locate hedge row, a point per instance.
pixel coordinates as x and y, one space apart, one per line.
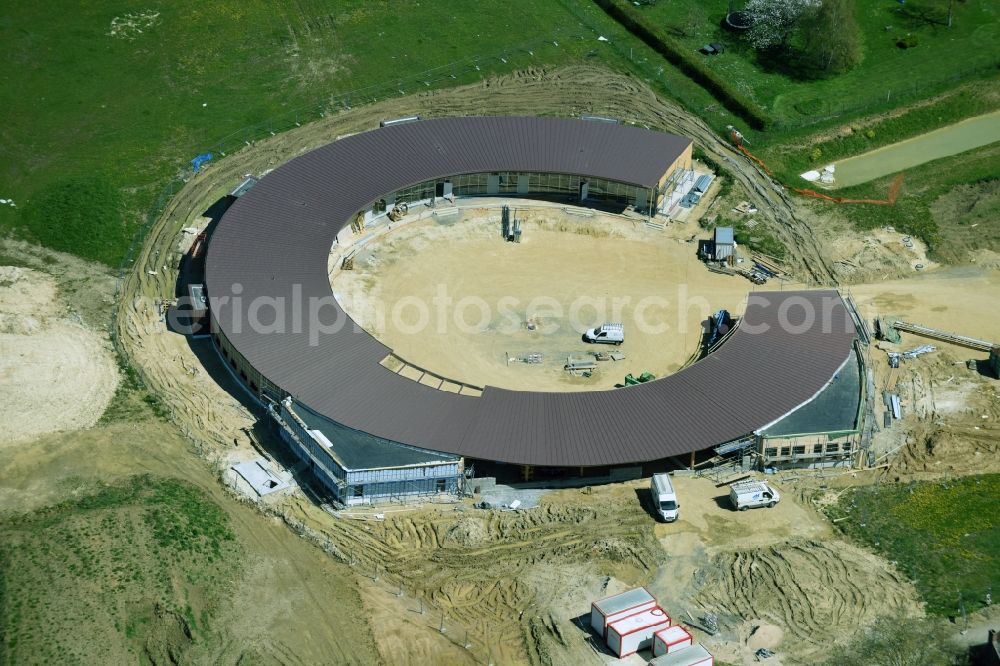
687 61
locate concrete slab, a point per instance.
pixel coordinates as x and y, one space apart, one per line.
261 477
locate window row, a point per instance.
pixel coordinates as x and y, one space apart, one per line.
818 449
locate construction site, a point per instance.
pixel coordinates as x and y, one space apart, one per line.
480 488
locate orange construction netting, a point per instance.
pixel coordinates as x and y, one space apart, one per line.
894 187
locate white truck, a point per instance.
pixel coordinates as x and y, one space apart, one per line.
611 334
749 494
664 497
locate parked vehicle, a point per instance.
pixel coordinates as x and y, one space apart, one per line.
612 334
750 494
664 497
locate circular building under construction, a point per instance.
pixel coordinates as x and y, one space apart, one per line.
786 381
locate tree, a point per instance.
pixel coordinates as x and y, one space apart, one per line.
774 21
832 44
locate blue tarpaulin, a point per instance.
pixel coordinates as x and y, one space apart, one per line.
201 159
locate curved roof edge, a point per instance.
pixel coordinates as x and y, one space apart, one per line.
274 242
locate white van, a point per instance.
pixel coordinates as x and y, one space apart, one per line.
749 494
664 497
612 334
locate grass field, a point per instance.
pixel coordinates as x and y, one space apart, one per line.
942 57
107 103
121 112
130 571
947 203
792 158
944 535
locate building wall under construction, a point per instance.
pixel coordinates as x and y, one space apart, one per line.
813 450
352 487
527 184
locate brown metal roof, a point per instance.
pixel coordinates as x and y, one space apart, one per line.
275 240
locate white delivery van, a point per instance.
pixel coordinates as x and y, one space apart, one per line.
749 494
611 334
664 497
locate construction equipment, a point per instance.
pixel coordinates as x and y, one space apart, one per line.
580 364
358 225
198 245
918 351
348 263
398 211
510 227
944 336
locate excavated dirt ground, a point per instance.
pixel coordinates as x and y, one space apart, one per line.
566 275
55 373
512 586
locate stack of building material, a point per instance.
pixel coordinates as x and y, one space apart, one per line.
693 655
629 634
612 608
671 639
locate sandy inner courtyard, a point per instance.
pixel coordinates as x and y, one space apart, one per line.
450 295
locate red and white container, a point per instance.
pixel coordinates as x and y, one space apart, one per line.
612 608
693 655
634 632
671 639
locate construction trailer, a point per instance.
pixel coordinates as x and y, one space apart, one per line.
610 609
629 634
723 243
671 639
693 655
357 468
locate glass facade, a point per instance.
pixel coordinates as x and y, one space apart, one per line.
516 183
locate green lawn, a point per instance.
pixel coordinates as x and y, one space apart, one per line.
943 57
105 104
942 202
945 535
127 111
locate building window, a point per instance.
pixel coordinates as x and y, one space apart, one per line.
439 485
799 450
832 447
818 449
846 448
770 452
357 491
784 451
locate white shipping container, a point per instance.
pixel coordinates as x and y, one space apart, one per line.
695 655
670 640
618 606
635 632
